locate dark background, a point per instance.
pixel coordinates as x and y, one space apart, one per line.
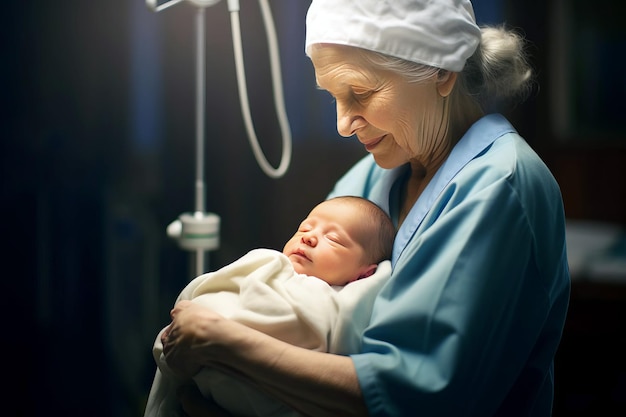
97 157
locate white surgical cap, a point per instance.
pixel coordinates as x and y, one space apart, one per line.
439 33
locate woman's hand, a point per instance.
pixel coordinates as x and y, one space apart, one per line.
189 339
311 382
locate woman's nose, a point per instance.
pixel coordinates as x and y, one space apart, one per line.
348 122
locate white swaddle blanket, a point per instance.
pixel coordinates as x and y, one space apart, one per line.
262 291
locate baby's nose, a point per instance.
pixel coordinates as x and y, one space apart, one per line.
309 239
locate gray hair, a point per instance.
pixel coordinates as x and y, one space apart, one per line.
497 73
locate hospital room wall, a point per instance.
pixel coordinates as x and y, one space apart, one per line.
98 158
576 123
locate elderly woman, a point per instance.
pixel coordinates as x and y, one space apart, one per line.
471 318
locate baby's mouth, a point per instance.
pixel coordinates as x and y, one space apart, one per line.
300 253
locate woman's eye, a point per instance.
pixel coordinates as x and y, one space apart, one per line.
362 95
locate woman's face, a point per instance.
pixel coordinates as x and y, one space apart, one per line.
397 121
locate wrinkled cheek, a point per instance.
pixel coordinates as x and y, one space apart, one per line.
407 141
430 132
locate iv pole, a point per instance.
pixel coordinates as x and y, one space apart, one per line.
198 232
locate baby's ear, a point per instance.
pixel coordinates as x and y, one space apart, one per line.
366 271
369 271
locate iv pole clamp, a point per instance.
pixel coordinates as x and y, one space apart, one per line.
199 231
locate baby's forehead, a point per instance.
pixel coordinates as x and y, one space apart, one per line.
347 202
352 215
340 209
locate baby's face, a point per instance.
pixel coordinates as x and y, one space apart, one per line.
326 245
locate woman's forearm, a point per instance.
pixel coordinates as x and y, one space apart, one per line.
313 383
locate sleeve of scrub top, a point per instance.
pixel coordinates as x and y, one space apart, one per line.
465 313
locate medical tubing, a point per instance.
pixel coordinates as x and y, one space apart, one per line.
277 89
157 8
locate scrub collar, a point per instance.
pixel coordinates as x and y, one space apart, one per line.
478 138
438 33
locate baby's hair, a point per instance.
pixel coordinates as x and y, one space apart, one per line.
379 249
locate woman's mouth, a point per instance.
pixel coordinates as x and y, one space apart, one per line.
373 144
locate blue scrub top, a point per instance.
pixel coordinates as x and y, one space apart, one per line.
470 321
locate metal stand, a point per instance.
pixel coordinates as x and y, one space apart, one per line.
199 231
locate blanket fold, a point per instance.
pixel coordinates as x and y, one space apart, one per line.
262 291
